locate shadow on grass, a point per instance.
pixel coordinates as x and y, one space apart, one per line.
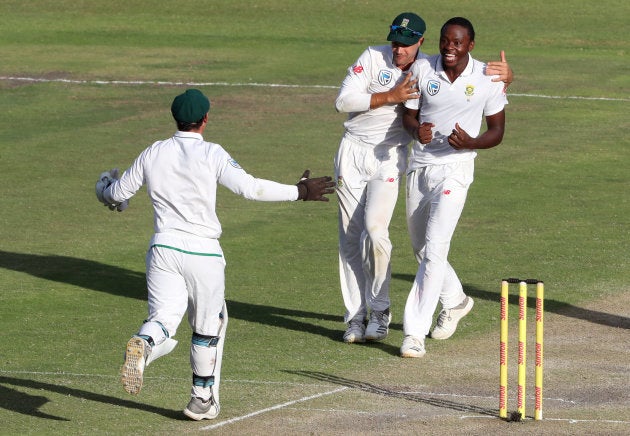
113 280
100 277
391 393
20 402
552 306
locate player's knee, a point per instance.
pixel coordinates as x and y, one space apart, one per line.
204 341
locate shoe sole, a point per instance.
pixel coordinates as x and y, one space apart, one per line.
200 416
354 340
441 338
131 372
375 337
412 354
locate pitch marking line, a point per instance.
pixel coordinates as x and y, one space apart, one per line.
264 85
272 408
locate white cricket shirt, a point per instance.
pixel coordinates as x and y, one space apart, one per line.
181 174
373 72
465 101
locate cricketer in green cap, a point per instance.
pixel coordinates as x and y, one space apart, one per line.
190 107
407 28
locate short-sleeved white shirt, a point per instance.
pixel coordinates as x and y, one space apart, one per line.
373 72
465 101
182 174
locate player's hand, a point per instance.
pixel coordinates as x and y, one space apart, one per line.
425 133
104 180
405 90
459 139
501 69
314 189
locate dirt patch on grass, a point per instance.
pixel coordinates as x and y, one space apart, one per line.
454 388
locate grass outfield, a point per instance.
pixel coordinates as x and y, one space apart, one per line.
86 86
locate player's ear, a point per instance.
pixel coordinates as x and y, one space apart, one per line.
471 45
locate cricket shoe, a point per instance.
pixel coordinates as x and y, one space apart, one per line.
448 318
378 327
135 357
355 331
198 409
412 346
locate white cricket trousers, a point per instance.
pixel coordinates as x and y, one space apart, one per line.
436 195
368 180
188 276
186 279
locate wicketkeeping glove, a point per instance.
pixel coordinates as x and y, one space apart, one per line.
314 189
104 180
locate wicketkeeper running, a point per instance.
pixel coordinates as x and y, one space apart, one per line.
185 264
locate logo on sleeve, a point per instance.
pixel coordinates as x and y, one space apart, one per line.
384 77
357 69
433 87
234 164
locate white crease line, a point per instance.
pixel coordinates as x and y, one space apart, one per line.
574 421
570 97
264 85
269 409
161 83
156 377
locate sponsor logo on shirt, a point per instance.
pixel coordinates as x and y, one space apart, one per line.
433 87
384 77
357 69
234 164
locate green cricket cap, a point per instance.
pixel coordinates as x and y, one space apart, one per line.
407 28
190 107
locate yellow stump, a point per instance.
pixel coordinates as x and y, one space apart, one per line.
522 347
503 352
540 298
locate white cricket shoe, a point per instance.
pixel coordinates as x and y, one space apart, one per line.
412 346
448 318
378 327
135 357
198 409
355 331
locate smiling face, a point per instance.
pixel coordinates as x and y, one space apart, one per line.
455 44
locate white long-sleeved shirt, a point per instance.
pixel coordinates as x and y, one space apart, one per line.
182 174
373 72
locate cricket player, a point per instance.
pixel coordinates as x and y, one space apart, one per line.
455 96
185 263
368 166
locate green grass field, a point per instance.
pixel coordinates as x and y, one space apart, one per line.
85 86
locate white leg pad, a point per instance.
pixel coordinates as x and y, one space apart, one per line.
160 350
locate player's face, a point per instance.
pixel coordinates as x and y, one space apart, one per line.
455 44
404 55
